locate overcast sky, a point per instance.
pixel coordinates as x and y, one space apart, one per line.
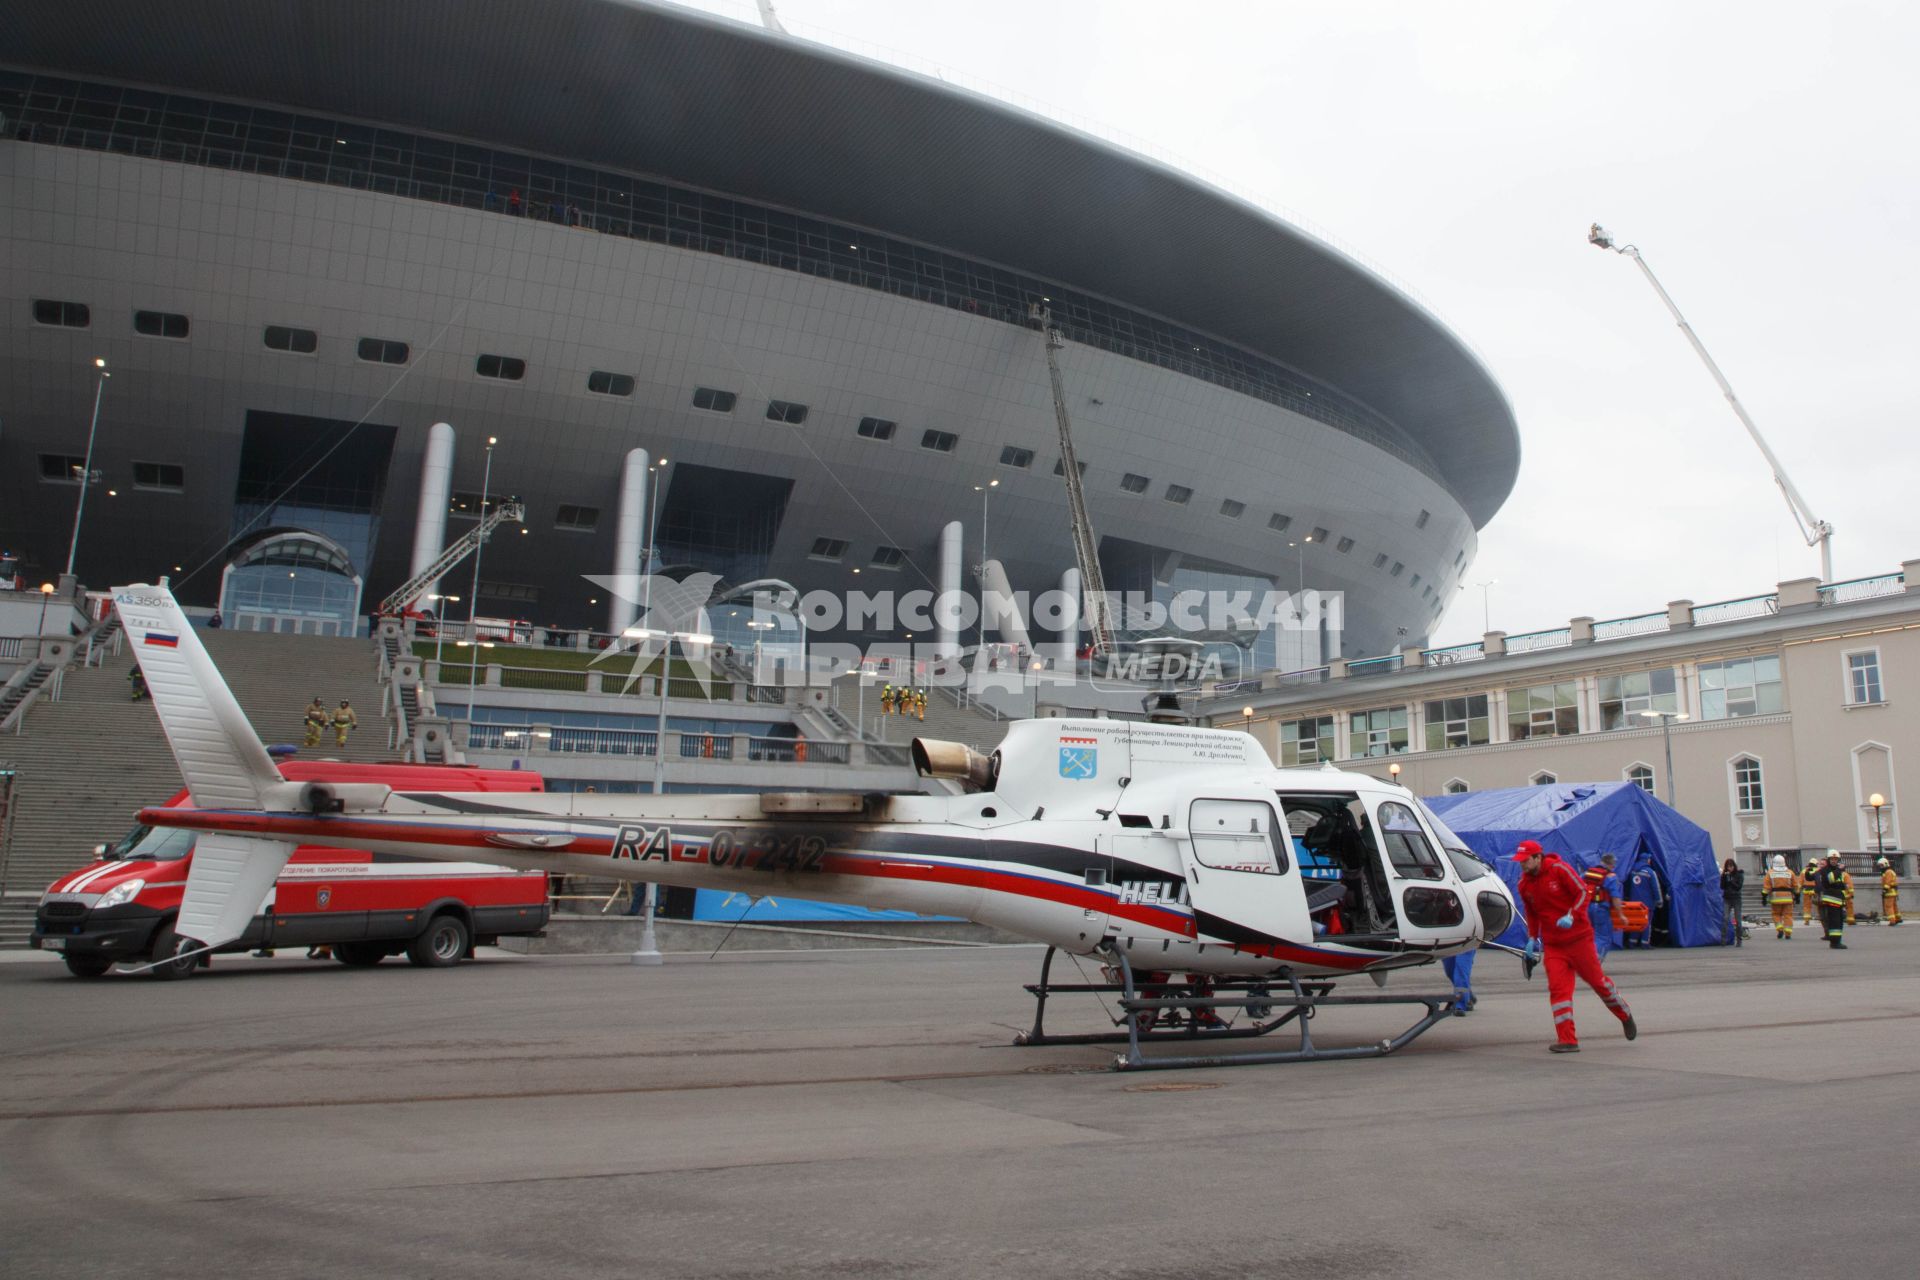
1765 158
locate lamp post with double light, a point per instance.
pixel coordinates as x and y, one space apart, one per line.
1666 719
1486 603
86 466
986 492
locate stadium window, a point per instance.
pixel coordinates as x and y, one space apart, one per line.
1641 776
160 324
713 401
467 506
1179 494
1319 535
828 548
1345 544
1397 567
1131 483
1232 510
1014 456
301 342
1413 581
382 351
888 557
518 592
1543 711
61 468
1741 687
572 516
877 428
939 441
1457 722
602 383
1380 561
1279 523
1458 556
506 368
1421 523
786 411
159 475
62 315
1060 468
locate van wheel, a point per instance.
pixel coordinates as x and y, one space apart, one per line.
88 966
167 962
359 955
443 944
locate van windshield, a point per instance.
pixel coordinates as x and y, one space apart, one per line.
152 844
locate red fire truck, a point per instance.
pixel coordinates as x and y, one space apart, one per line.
364 906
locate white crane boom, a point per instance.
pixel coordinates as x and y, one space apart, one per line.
1816 531
1093 588
410 590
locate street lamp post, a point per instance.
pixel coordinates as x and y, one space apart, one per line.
1247 711
46 594
649 950
1393 772
1666 719
986 492
1878 802
440 637
86 467
1486 603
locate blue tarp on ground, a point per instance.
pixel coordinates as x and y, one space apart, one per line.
1582 821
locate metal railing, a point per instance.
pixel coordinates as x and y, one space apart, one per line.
1386 664
11 647
798 751
600 742
1886 584
1534 641
1640 625
706 746
1706 615
1455 654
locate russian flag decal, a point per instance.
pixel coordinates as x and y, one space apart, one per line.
164 640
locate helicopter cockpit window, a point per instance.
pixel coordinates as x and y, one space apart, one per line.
1408 848
1236 835
1467 864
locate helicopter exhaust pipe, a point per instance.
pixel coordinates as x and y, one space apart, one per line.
935 759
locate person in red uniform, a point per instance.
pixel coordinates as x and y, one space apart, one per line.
1556 907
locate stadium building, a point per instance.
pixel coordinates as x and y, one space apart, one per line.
301 235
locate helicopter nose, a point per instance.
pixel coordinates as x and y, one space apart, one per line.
1496 912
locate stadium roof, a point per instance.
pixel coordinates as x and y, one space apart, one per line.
665 91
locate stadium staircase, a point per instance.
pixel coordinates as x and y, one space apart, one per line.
947 720
88 762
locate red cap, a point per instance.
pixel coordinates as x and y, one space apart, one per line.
1527 849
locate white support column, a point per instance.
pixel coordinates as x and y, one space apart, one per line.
436 484
947 608
629 532
1070 621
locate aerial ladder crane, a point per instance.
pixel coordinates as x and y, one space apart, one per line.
413 588
1093 588
1816 531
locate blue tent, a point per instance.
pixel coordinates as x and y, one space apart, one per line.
1581 822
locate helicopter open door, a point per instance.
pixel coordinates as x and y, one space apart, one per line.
1431 909
1241 882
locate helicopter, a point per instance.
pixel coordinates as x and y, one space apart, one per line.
1199 876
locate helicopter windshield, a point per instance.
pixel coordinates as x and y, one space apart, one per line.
1467 864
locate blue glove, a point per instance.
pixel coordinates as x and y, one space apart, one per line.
1533 948
1564 922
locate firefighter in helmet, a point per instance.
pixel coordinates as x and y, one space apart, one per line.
886 700
316 720
1889 892
1778 885
1832 887
1809 889
343 720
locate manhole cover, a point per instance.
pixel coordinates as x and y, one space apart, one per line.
1182 1087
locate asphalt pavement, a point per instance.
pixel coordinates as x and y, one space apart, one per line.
864 1114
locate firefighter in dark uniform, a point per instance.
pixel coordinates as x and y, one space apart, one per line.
1808 889
1831 885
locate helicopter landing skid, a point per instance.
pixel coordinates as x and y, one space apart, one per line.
1152 1012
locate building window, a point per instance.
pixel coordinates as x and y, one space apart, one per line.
1623 698
1641 776
382 351
1131 483
159 475
1279 522
1179 494
1318 535
62 315
1421 523
1304 742
828 548
1413 582
1740 687
786 411
506 368
1014 456
876 428
1344 545
280 337
468 506
1458 556
160 324
1863 678
1544 778
572 516
888 557
1457 722
1457 787
518 592
61 468
1380 561
1397 567
1379 732
1543 711
713 401
939 441
1233 510
602 383
1060 467
1748 795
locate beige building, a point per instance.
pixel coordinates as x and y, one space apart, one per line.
1783 715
